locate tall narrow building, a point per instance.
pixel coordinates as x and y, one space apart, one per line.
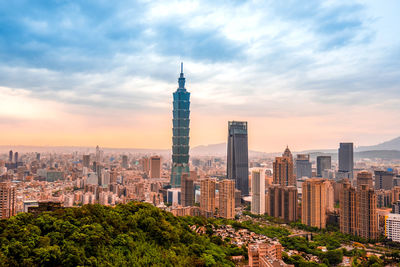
303 166
238 156
187 190
180 132
346 162
258 191
227 199
207 195
323 163
7 200
314 203
348 208
367 218
283 169
155 167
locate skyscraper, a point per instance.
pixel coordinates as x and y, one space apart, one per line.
314 203
155 167
258 191
125 161
227 199
303 166
7 200
367 218
384 180
346 163
86 161
180 131
323 163
283 169
347 204
16 157
10 156
238 155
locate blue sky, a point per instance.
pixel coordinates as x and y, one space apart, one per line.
304 73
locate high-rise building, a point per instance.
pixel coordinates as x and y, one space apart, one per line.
367 218
330 198
125 161
99 155
7 200
384 180
227 199
38 156
10 156
180 131
258 191
283 169
207 195
303 166
358 211
155 167
16 157
314 203
346 163
86 161
364 177
238 156
347 213
323 163
281 202
145 163
187 190
392 227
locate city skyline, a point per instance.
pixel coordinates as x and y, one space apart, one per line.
312 68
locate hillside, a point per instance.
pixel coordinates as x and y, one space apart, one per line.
134 234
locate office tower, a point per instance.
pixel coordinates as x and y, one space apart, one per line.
283 169
323 163
86 161
38 156
347 212
365 178
7 200
303 166
227 199
258 191
16 157
346 163
10 156
155 167
207 197
180 130
125 161
238 155
392 227
99 155
384 180
281 202
367 218
145 163
314 203
187 190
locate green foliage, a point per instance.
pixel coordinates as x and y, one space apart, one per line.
135 234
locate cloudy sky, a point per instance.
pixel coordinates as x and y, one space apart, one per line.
304 73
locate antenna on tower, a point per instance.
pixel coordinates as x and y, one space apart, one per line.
181 67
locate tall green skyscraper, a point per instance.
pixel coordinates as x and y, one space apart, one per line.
180 132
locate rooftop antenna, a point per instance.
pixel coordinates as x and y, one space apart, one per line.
181 67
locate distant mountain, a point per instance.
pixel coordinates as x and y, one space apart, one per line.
393 144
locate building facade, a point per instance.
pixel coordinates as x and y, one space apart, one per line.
303 166
238 156
227 199
7 200
314 203
283 173
258 191
180 132
346 161
323 163
207 195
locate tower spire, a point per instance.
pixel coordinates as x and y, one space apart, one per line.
181 67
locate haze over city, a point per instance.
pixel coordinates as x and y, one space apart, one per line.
308 74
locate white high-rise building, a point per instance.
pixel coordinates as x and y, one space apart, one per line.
258 191
392 227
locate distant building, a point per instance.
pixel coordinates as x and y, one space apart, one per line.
227 199
258 191
323 164
314 203
346 161
207 198
303 166
125 161
384 180
7 200
16 157
365 178
10 156
86 161
155 167
283 169
187 190
237 156
281 202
